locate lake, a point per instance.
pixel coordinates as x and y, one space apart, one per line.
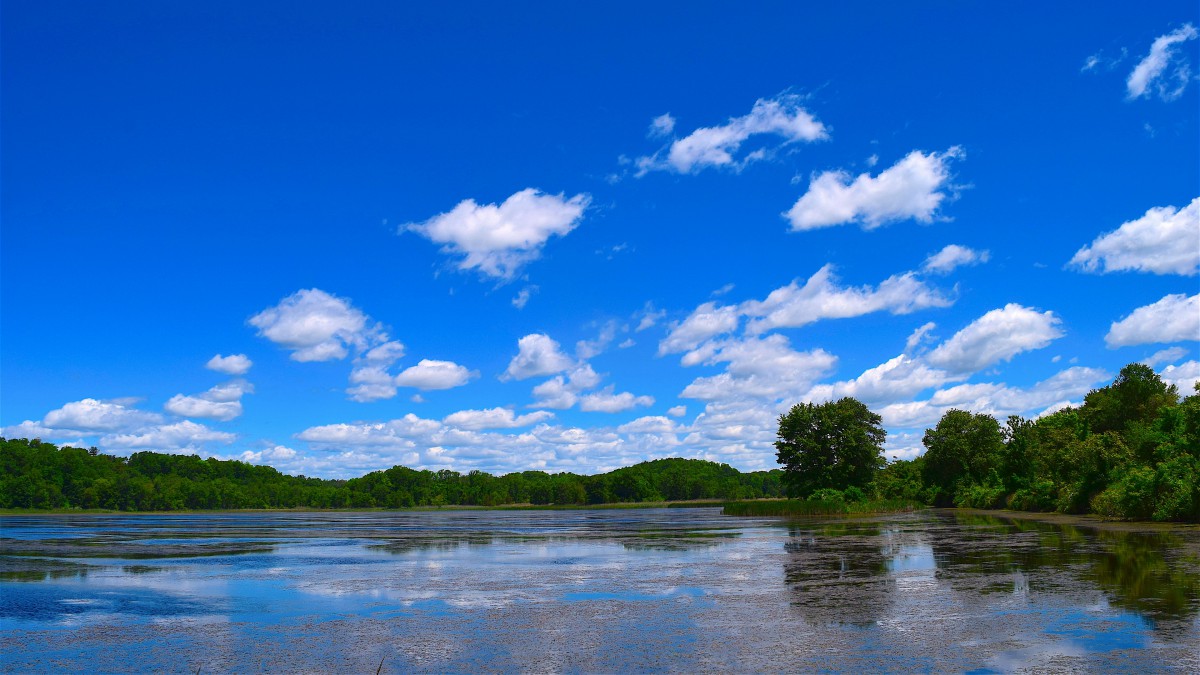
592 591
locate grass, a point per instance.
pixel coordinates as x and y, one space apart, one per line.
816 507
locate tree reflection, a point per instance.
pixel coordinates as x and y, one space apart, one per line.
838 573
1143 572
848 572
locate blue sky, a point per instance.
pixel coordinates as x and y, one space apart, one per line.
337 237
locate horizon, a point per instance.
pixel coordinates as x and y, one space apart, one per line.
574 239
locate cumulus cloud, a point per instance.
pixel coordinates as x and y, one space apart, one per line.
999 400
234 364
1164 241
648 425
428 375
607 401
900 378
1184 376
183 436
315 326
1172 319
498 240
952 257
912 188
996 336
1165 70
537 354
821 298
222 402
195 406
1162 356
91 414
764 368
677 411
706 321
494 418
274 456
562 393
781 117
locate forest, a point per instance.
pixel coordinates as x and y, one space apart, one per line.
37 475
1130 451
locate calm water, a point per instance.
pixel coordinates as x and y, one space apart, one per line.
638 590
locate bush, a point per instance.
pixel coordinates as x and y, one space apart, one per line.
829 495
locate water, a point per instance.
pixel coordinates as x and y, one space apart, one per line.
592 591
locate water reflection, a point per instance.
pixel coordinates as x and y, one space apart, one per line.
851 572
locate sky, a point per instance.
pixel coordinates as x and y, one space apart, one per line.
337 237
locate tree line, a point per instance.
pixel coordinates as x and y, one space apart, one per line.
37 475
1131 450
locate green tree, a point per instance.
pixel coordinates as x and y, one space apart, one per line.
832 445
963 450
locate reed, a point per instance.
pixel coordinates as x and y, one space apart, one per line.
816 507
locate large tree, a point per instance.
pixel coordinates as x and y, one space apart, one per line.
963 448
832 445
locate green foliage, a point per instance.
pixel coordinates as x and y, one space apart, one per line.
1132 450
963 449
36 475
831 445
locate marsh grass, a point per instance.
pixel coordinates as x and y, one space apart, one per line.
816 507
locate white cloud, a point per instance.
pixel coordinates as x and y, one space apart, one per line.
820 298
998 400
607 401
560 393
913 188
717 146
663 125
372 383
1172 319
522 297
222 402
953 256
1150 74
648 317
1162 356
706 321
183 436
274 456
494 418
31 429
537 354
398 431
758 368
497 240
649 425
996 336
234 364
1164 241
90 414
586 349
898 379
429 374
315 325
919 336
194 406
677 411
1184 376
